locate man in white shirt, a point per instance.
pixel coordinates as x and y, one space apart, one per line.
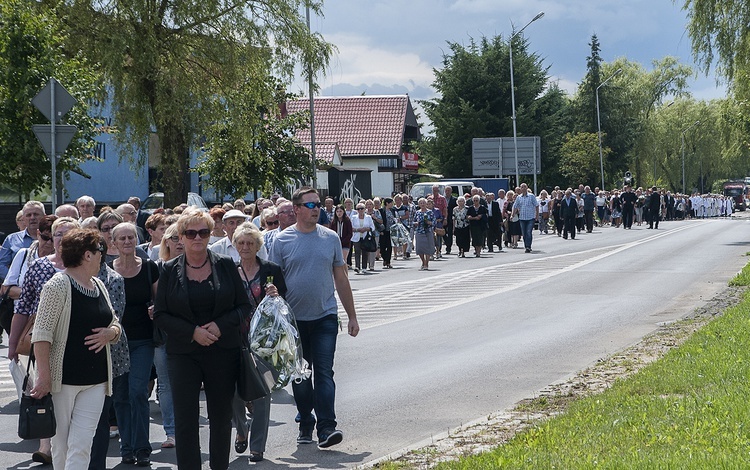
232 219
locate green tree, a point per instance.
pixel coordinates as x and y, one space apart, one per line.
172 66
31 51
579 159
585 106
254 146
475 101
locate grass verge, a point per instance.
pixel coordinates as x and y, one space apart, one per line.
687 410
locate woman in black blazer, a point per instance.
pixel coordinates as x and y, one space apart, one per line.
200 304
260 278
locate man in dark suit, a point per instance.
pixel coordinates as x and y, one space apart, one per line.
494 219
568 211
654 208
448 237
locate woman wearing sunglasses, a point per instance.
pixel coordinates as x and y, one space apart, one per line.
199 304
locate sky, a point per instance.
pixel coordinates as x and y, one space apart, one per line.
392 46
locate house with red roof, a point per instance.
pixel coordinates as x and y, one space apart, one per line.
363 144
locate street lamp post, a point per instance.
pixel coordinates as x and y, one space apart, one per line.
683 152
513 93
599 123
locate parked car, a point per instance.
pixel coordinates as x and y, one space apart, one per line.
425 189
156 200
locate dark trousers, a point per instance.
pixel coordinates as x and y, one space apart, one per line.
217 369
494 236
448 237
100 444
386 249
589 218
558 223
627 215
569 227
653 219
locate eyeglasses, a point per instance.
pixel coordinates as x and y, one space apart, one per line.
191 234
174 238
311 205
272 222
107 228
45 236
360 208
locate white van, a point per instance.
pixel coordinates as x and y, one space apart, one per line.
425 189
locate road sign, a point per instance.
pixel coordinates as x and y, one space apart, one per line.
63 100
63 135
495 156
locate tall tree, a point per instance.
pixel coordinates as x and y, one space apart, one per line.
32 49
585 104
475 100
171 66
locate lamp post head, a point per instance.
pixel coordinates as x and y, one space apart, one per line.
538 15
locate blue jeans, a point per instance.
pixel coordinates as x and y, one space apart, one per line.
318 338
141 360
121 404
165 390
527 229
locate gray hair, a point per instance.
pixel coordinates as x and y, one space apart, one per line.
248 229
124 226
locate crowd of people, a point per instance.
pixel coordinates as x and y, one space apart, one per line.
114 310
111 310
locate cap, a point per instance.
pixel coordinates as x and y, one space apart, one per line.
234 213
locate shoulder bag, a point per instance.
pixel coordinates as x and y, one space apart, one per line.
255 379
367 243
36 418
24 342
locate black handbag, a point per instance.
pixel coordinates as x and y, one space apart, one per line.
256 378
36 418
6 311
367 243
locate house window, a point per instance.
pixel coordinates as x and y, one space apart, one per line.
388 163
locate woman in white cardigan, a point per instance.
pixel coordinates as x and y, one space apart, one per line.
75 324
361 224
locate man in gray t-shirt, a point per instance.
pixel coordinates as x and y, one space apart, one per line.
310 256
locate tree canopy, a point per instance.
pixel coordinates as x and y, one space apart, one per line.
33 49
178 68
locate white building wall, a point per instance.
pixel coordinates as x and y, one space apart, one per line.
382 183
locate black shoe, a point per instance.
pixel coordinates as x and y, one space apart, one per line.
128 460
240 446
305 436
143 458
329 438
528 250
255 456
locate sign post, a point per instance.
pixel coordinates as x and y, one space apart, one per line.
54 102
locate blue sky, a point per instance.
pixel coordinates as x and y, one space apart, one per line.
392 46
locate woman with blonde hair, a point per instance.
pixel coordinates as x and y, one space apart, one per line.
200 304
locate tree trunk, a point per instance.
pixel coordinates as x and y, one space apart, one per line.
175 158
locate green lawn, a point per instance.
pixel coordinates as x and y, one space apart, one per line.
690 409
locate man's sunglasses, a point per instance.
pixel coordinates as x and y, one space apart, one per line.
191 234
311 205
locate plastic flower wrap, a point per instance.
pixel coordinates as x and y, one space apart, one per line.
274 337
399 234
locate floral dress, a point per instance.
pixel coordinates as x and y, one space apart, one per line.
425 239
461 228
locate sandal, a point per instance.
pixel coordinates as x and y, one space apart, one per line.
169 443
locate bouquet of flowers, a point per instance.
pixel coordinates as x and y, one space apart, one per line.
274 337
399 234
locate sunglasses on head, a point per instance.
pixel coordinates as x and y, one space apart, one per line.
45 236
311 205
191 234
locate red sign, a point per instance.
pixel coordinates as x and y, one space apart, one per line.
410 161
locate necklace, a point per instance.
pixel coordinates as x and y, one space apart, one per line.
196 267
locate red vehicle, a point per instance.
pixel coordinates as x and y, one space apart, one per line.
736 190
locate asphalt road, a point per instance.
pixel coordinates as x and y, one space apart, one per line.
442 348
